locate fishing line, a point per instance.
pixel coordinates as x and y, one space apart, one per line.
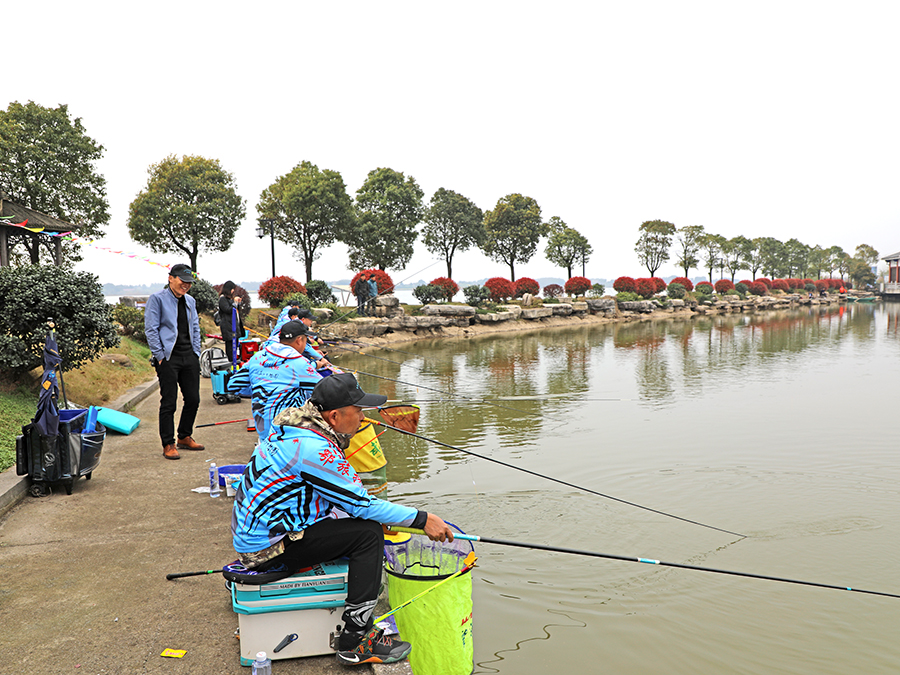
611 556
463 398
558 480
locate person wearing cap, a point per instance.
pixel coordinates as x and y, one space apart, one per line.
279 375
296 313
300 503
173 334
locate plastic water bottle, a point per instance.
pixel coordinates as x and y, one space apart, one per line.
214 489
262 665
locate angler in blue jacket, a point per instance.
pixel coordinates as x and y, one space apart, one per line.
173 334
300 503
279 376
299 314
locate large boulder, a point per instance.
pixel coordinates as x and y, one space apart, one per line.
561 309
537 313
448 310
639 306
604 306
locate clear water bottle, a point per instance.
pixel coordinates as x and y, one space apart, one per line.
262 665
214 489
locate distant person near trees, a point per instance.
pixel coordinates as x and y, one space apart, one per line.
361 290
230 322
173 334
373 293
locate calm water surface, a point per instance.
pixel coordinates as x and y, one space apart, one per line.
781 427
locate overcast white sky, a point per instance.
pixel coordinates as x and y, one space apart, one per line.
763 119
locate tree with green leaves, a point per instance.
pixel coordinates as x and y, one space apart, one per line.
653 244
860 272
734 253
452 223
867 254
566 246
842 264
689 238
310 208
512 230
49 165
753 256
796 258
388 210
818 260
772 253
833 258
189 205
711 251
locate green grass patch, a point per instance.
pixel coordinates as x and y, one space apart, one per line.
17 408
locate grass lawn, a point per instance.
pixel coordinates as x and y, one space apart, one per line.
17 408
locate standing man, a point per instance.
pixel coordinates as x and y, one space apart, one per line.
289 510
173 333
373 293
361 289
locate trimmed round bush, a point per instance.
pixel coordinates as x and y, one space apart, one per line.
553 291
204 295
704 288
596 290
724 285
527 285
578 286
675 291
767 282
627 296
319 292
476 295
780 285
685 282
742 287
821 285
624 284
500 288
644 287
274 291
428 293
448 287
758 288
809 288
792 283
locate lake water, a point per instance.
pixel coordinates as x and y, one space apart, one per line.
777 426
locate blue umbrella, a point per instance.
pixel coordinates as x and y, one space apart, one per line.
47 418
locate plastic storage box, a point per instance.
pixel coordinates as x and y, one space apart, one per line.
308 604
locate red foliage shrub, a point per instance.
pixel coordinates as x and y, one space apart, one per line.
724 285
526 285
793 283
807 281
500 288
384 281
767 282
659 284
780 284
449 286
684 281
624 284
644 287
821 285
273 291
553 291
746 282
578 286
758 288
703 284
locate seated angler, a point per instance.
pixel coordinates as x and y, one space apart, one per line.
279 376
306 316
292 505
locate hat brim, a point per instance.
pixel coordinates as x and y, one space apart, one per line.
188 278
371 401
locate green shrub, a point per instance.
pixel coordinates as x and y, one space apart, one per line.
131 319
476 295
596 290
428 293
627 296
32 293
741 288
732 291
320 293
676 291
550 301
205 296
704 288
301 298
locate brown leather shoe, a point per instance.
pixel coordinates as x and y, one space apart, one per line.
169 452
188 443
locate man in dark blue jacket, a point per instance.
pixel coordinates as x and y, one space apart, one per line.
173 334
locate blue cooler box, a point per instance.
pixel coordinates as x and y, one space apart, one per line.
309 604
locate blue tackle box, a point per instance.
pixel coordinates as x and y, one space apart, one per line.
307 605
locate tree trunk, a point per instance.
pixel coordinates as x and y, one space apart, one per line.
449 268
308 266
512 272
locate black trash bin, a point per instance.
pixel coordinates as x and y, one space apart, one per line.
73 452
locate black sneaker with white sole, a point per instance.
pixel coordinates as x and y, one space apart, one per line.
374 647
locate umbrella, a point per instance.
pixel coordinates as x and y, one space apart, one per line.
47 418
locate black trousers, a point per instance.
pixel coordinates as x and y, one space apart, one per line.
229 347
182 371
362 541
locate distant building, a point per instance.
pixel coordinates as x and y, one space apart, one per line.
12 236
892 281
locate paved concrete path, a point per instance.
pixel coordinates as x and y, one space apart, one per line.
84 588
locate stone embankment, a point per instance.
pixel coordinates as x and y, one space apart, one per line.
392 322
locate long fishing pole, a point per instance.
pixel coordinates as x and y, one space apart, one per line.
441 391
214 424
611 556
371 356
557 480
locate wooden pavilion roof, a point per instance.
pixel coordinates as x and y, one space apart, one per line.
21 213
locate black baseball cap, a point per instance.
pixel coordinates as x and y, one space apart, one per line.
292 329
303 313
183 272
342 389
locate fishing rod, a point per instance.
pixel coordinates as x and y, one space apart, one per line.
213 424
441 391
556 480
191 574
611 556
371 356
376 346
